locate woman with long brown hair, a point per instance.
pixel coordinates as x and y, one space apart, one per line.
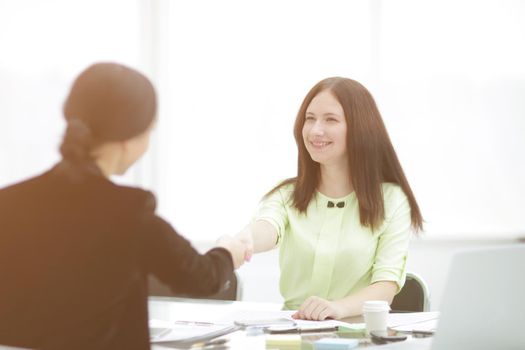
343 223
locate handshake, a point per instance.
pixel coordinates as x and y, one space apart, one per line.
239 246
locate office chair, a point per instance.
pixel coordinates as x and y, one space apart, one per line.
232 292
413 297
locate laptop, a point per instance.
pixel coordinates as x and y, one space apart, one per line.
483 304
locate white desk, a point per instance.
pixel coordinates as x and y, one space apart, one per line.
175 309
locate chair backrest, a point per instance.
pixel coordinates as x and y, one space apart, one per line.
232 292
413 297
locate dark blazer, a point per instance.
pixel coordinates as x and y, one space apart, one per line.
74 259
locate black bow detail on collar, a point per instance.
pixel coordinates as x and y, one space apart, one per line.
331 204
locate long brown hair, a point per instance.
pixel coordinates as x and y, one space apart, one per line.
371 156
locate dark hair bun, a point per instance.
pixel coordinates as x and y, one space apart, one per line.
77 142
115 102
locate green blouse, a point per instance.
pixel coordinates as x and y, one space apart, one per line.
327 253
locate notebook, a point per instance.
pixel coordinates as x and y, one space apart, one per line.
483 303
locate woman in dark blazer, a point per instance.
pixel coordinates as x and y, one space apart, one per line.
76 249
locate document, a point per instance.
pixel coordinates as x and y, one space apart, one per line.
265 322
284 317
407 322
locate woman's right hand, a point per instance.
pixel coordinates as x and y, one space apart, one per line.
236 247
246 237
256 237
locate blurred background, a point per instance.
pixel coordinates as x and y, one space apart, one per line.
448 77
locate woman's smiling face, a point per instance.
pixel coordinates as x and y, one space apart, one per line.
324 130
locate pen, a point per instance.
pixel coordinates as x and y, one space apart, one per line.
304 330
211 343
215 347
211 347
194 323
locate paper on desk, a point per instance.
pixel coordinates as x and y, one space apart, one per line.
330 323
277 314
257 315
422 321
164 331
428 326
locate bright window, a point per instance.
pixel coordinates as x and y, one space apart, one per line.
448 77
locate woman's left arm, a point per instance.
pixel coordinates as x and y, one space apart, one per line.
316 308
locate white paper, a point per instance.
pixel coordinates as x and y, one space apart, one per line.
277 314
428 326
422 321
258 315
164 331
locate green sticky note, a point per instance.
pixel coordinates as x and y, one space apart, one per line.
346 332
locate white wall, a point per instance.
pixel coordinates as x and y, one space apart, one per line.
43 46
448 77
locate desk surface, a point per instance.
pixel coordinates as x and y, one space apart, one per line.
177 309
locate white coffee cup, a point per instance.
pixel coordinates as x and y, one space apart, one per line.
375 313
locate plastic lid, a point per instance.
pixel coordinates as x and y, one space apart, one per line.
375 305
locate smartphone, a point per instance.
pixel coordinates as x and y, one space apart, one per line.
383 337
